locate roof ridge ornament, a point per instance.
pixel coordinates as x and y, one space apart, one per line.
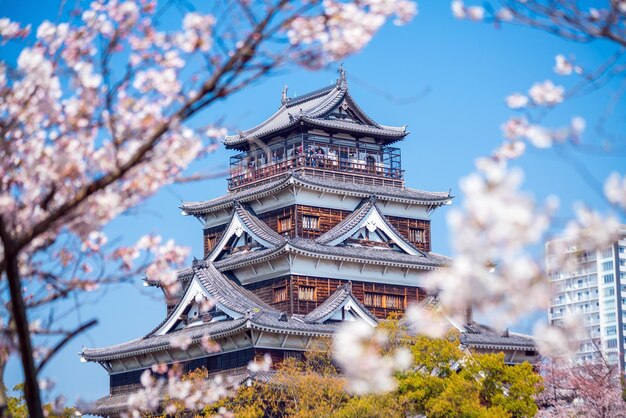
342 83
284 99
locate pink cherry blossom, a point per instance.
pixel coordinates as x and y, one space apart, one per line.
516 101
546 93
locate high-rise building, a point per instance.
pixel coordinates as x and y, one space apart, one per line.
317 228
593 283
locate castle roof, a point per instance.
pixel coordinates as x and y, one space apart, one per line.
384 193
334 301
317 109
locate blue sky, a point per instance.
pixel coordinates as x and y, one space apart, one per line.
446 79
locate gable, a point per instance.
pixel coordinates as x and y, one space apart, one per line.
190 306
373 230
349 310
236 238
348 110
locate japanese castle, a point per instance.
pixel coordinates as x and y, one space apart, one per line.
317 227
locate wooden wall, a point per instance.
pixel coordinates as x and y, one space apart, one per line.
271 219
324 288
404 225
211 236
265 291
328 218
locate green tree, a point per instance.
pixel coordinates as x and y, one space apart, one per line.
16 406
445 381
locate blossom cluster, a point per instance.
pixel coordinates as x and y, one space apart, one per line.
346 27
358 350
165 387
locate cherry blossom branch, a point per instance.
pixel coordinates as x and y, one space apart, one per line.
64 341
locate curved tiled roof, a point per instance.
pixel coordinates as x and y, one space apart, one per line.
227 292
391 132
347 223
257 226
333 302
387 193
267 320
379 256
312 108
481 336
222 290
427 261
161 342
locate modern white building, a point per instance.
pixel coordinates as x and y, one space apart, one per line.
594 284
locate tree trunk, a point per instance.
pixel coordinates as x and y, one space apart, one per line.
18 310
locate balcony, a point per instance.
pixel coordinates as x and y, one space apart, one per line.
366 164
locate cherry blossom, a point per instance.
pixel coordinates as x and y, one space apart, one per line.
546 93
516 101
261 366
428 322
347 27
357 349
615 189
563 66
496 225
561 341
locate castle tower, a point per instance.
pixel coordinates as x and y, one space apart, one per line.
317 227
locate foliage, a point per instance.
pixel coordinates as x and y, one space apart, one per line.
443 381
449 381
17 407
300 388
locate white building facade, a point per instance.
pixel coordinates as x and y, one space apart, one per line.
594 284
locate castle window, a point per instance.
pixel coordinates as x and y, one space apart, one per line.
310 222
380 300
211 240
393 301
416 235
306 293
284 224
280 294
374 300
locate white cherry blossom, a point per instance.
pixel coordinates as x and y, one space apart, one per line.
516 101
546 93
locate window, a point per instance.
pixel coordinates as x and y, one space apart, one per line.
621 250
609 317
622 263
380 300
211 240
284 224
374 299
280 294
611 343
310 222
609 291
306 293
416 235
612 330
609 278
607 265
607 252
393 301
